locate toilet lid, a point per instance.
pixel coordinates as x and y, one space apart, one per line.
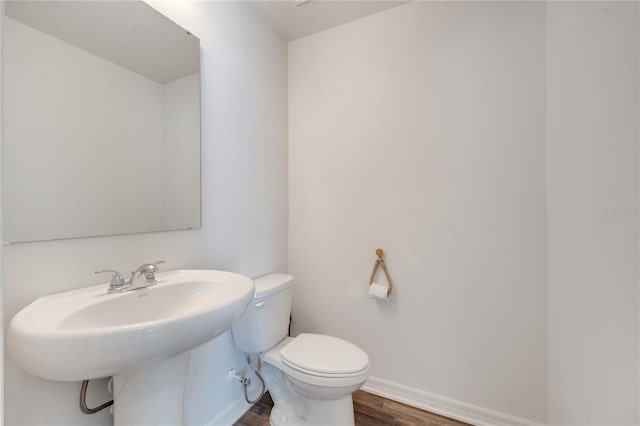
324 354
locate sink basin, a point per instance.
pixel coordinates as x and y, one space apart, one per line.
87 333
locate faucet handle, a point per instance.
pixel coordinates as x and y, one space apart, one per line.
153 267
116 277
117 282
150 270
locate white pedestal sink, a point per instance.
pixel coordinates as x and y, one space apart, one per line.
140 337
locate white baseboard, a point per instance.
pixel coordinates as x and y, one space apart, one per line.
441 405
231 415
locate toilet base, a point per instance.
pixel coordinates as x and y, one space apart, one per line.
293 406
337 412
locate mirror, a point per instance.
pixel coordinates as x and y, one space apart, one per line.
101 121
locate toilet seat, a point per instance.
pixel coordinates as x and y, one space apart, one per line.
324 356
322 375
330 380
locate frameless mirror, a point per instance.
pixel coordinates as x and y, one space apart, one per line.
101 121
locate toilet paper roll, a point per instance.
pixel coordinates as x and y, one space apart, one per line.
379 291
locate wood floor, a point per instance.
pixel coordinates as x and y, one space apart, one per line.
370 410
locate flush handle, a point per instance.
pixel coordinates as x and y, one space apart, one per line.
259 304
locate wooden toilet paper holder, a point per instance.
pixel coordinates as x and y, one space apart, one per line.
380 262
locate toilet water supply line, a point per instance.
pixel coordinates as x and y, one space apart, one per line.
246 382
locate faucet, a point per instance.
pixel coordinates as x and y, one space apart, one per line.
118 284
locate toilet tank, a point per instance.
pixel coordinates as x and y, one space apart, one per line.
266 320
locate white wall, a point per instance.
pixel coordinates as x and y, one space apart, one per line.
244 168
61 104
592 110
492 150
421 130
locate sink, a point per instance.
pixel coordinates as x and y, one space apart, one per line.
87 333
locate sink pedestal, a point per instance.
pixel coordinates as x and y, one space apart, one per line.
153 393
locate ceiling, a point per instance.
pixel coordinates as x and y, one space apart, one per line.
294 19
129 33
135 36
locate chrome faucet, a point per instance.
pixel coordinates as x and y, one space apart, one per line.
136 281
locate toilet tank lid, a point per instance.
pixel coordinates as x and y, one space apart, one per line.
271 284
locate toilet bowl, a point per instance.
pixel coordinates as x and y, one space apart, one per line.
310 377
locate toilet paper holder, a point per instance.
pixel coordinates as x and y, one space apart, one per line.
380 263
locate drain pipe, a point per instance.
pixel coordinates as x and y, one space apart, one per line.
83 400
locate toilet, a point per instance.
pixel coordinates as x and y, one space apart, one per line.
310 377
